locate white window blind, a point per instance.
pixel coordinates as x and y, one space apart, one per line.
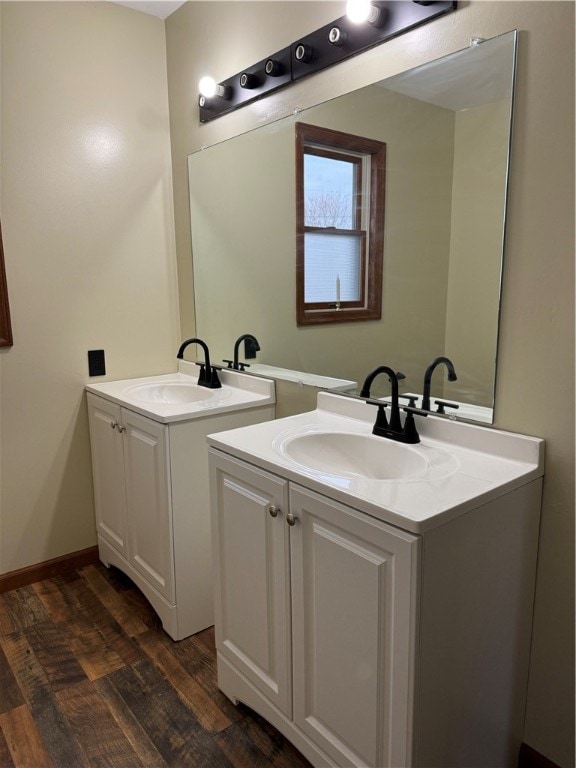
330 260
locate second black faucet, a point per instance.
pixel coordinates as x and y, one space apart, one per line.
251 346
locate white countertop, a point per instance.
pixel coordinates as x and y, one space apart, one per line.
467 464
238 391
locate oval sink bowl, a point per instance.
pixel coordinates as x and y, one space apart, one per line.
174 393
350 455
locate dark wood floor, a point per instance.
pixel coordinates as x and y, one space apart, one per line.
89 678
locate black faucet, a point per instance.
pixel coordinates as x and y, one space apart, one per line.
251 346
425 406
394 430
208 373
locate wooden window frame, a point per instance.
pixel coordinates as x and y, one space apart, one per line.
318 140
5 323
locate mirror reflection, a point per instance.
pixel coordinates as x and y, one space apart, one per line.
446 126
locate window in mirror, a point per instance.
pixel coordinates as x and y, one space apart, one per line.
5 325
339 222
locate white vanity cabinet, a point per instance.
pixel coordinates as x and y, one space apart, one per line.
151 487
315 606
378 624
132 490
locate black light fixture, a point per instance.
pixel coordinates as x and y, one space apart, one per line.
367 23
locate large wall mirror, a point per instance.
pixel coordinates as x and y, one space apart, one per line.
447 128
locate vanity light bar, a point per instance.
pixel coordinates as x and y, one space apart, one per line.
326 46
252 83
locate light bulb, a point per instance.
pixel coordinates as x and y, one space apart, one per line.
359 11
207 87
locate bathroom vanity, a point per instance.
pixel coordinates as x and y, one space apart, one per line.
150 469
373 600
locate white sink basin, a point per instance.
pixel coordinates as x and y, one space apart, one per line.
347 454
172 393
332 451
172 397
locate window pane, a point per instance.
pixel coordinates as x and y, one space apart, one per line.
327 259
329 188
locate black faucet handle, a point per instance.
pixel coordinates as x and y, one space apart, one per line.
213 382
378 403
230 365
411 435
381 426
411 400
442 404
381 422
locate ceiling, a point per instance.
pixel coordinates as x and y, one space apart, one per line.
160 8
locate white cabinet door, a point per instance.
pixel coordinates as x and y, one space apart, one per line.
108 472
148 500
252 571
354 585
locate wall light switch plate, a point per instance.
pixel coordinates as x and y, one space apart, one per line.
96 362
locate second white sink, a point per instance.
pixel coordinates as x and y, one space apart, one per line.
347 454
174 393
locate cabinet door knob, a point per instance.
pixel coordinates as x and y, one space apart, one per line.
290 519
273 511
121 428
113 424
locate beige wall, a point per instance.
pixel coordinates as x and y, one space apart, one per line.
535 385
87 218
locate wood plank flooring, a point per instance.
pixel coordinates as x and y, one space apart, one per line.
89 678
